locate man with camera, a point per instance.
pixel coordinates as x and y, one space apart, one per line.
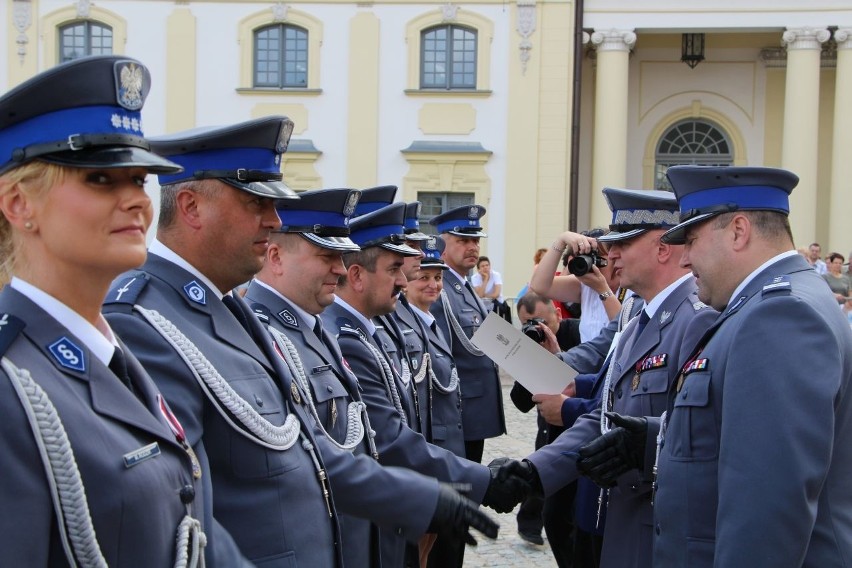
540 322
641 368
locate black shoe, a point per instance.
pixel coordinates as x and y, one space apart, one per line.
532 538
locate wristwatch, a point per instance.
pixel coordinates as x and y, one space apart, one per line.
605 295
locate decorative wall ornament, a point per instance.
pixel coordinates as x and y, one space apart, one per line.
526 27
449 12
279 12
22 19
84 8
843 37
805 38
614 40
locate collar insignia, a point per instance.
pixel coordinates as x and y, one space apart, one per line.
68 354
196 293
288 318
665 315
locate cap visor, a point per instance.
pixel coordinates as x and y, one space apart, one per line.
404 250
433 263
342 244
613 236
468 234
677 234
417 236
271 189
114 157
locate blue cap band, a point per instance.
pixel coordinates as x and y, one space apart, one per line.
223 158
745 197
61 124
451 225
363 208
369 234
412 223
301 218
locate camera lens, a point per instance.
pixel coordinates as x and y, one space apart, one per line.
581 264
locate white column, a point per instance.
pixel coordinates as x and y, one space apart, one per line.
609 151
801 126
841 164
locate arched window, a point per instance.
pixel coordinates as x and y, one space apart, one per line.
79 39
281 56
448 58
691 141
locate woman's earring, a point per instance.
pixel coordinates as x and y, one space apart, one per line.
28 226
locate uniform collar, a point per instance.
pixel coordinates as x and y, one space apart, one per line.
165 252
652 306
739 289
368 326
101 342
309 319
425 316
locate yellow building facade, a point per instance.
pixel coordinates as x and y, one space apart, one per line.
460 102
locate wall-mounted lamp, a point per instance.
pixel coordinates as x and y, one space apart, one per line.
692 49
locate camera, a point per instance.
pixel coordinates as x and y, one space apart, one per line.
583 263
531 330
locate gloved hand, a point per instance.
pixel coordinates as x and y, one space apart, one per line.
454 514
509 485
606 458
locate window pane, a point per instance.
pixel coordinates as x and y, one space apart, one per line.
84 38
435 203
691 142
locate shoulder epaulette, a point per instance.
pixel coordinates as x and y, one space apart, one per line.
261 312
346 326
126 289
778 285
10 328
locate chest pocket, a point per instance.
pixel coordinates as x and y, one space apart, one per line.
692 431
469 319
326 385
651 392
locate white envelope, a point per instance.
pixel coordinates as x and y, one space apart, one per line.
539 370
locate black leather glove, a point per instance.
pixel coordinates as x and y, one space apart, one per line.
521 397
509 485
606 458
454 514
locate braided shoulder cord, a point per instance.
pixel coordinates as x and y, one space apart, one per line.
355 409
66 484
63 476
623 320
426 369
221 394
457 328
387 377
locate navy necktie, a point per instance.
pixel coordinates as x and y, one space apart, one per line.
643 321
118 365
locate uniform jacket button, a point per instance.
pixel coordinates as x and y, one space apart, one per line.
187 494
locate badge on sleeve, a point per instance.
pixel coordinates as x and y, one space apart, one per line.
68 354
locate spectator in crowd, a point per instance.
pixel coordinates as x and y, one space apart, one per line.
487 283
814 259
837 281
593 290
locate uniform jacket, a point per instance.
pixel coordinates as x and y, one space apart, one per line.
408 335
482 397
396 442
135 510
440 413
657 353
756 466
333 387
270 501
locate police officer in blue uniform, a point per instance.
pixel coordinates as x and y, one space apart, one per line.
460 313
440 398
96 470
370 288
277 479
298 280
756 458
645 362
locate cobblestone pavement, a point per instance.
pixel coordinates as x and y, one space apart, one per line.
509 550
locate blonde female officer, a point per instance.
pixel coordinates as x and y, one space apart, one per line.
95 471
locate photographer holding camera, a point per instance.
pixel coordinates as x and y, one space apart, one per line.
590 281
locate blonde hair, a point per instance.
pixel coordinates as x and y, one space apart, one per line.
34 180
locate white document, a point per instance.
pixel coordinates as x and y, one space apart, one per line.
539 370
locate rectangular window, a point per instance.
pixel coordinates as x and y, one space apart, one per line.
434 203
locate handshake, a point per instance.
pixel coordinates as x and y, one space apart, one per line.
602 460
